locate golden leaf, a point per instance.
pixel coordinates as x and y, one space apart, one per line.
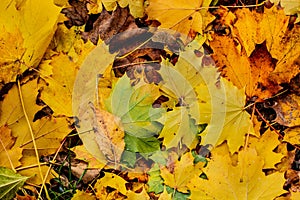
186 15
113 181
48 132
7 153
184 170
57 93
265 146
242 181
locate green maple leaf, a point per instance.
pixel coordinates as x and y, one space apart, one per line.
133 105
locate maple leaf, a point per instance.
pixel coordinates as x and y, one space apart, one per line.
245 180
32 37
48 132
57 93
292 135
10 182
137 196
265 146
83 195
287 110
263 55
178 129
111 180
133 105
184 170
136 7
186 15
9 156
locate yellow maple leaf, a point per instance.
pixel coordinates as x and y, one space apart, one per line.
245 180
138 196
282 43
222 107
83 195
11 53
48 132
9 154
57 93
184 170
292 135
32 24
111 180
265 146
181 16
136 7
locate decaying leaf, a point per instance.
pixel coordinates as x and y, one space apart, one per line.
109 134
288 110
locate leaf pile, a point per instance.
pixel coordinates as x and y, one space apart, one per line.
149 99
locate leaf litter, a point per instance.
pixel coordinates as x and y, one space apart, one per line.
168 113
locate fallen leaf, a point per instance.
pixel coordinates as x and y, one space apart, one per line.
109 135
184 170
287 110
265 146
292 135
32 30
7 153
186 15
240 58
113 181
83 195
138 196
10 182
223 108
48 132
57 92
242 181
82 154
